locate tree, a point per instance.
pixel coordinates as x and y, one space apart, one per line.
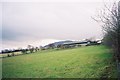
31 48
24 51
110 18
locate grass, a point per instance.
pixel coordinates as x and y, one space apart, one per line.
83 62
0 68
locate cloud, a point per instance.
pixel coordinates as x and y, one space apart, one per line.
27 21
8 34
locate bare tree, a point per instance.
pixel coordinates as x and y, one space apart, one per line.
31 48
110 18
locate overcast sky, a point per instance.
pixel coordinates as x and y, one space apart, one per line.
37 23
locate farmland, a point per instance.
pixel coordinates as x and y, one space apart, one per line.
81 62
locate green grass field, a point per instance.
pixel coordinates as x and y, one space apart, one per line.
82 62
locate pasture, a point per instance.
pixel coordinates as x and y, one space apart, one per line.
82 62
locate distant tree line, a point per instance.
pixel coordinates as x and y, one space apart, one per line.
12 52
63 45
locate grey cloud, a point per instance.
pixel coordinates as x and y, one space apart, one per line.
49 20
9 34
